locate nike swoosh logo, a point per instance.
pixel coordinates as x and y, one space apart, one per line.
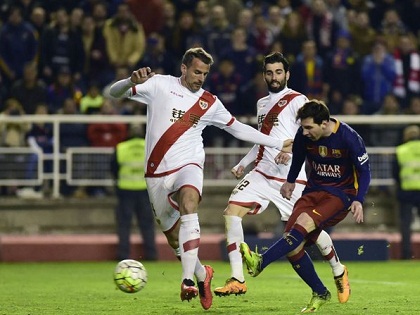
316 212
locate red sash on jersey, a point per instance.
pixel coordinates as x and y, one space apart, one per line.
176 130
268 122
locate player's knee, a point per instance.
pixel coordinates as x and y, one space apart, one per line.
236 210
305 221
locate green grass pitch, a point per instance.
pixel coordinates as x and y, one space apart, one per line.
391 287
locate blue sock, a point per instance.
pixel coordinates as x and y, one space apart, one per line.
305 269
283 246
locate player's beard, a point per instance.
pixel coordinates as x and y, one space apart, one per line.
279 88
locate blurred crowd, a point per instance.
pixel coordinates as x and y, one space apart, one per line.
60 57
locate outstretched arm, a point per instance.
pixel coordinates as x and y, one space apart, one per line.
247 133
120 88
238 169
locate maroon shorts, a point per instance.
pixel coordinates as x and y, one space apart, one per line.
324 208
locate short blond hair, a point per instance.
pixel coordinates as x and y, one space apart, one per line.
411 132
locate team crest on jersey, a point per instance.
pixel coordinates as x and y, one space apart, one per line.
323 151
203 104
282 103
336 153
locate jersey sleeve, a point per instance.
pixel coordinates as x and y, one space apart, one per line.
249 157
360 160
298 157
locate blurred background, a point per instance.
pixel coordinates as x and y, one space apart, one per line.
59 126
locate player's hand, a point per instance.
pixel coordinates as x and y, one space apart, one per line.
287 146
357 209
286 190
282 158
141 75
238 171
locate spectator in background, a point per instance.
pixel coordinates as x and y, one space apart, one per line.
378 75
307 72
414 106
127 168
286 7
13 134
75 19
275 20
292 36
30 90
97 67
25 6
246 21
407 66
339 13
218 35
72 135
18 46
100 14
40 139
106 134
62 88
249 93
123 106
342 70
407 175
103 135
170 22
386 135
231 8
157 57
38 19
225 83
321 27
352 105
185 34
202 14
262 36
363 35
391 28
379 8
61 47
149 13
92 102
241 54
125 38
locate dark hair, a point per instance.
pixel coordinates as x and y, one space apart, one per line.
314 109
274 58
199 53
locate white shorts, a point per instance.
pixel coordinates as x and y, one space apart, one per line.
162 189
255 191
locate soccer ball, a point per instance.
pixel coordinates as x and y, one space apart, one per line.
130 276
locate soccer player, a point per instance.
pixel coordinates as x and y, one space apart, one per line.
276 117
338 181
178 110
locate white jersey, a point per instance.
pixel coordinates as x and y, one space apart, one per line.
176 118
277 117
170 145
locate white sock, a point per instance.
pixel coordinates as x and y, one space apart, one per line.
199 271
234 236
189 240
326 247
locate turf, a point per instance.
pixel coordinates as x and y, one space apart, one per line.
87 288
